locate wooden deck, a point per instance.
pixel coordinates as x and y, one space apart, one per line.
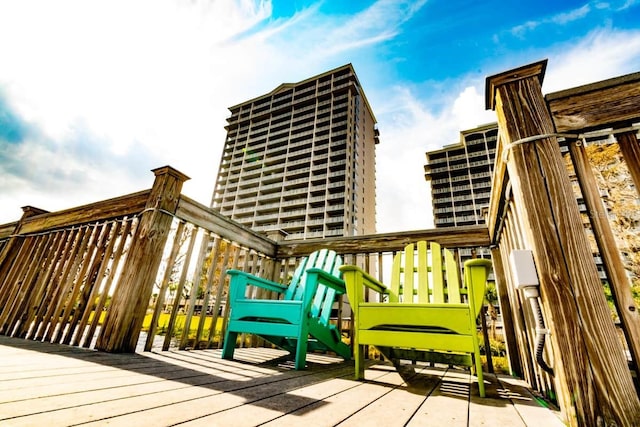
57 385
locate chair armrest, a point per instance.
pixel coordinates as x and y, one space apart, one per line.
242 278
329 280
476 273
354 278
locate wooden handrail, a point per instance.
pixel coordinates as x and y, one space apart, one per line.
459 237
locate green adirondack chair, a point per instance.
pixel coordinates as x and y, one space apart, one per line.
300 320
425 314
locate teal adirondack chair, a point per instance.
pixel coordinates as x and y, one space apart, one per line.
298 322
425 313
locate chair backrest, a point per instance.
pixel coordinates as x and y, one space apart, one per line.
426 273
326 260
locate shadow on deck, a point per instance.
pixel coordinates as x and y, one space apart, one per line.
58 385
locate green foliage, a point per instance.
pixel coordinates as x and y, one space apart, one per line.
498 355
491 294
635 292
609 296
163 322
497 346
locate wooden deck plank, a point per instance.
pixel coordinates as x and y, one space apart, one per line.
530 410
404 398
448 404
495 408
58 385
281 409
248 395
338 401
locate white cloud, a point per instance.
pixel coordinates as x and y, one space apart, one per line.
602 54
410 128
572 15
562 18
117 88
150 82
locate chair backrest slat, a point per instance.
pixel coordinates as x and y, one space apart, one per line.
397 278
324 297
425 273
453 278
437 267
296 287
296 279
407 286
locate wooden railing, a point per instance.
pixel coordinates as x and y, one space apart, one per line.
85 276
542 170
96 275
155 261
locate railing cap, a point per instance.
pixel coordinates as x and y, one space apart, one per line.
531 70
170 171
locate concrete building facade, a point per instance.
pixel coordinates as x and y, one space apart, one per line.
301 159
460 177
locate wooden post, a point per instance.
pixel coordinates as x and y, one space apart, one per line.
592 376
129 304
508 321
628 143
613 264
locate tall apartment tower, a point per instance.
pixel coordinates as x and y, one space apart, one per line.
302 159
460 176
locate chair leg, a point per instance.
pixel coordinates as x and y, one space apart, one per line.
479 375
301 354
229 345
358 356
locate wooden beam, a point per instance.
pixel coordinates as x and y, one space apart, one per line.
630 148
609 102
592 376
122 326
629 311
466 236
500 196
94 212
508 320
209 219
6 230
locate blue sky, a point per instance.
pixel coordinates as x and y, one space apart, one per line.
94 94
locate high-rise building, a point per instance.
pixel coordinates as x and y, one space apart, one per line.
460 176
301 159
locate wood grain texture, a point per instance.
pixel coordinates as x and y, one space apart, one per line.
465 236
605 103
205 217
612 261
507 310
57 385
106 209
129 305
592 376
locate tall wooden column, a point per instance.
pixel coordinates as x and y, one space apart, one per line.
129 304
592 377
